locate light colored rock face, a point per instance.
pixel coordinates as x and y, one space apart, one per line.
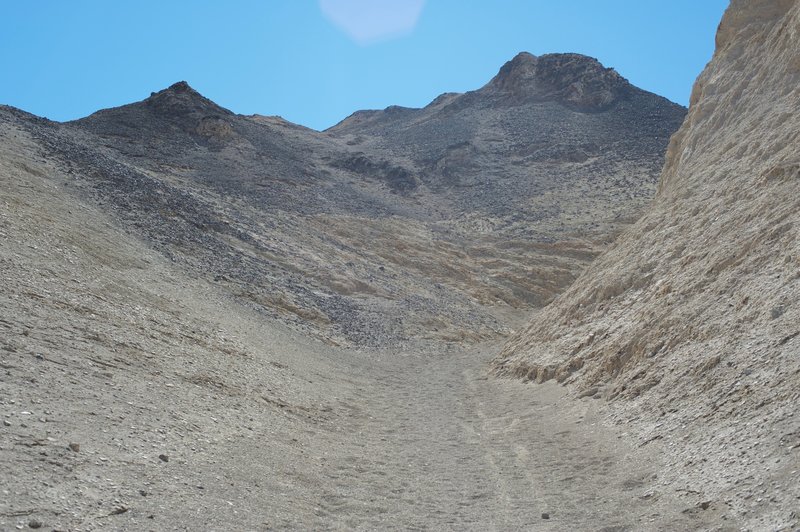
693 316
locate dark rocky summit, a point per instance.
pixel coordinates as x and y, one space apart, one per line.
539 122
575 81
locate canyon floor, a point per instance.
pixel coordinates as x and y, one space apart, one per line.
411 440
136 396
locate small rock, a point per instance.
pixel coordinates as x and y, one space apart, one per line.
545 516
6 423
75 447
33 523
705 505
119 510
163 457
143 493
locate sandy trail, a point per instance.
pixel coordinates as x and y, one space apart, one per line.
352 441
438 445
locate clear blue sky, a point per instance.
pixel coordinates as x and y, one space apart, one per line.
66 59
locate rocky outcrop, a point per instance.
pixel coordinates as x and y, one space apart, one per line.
576 81
692 316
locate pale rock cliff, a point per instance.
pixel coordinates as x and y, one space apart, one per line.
691 319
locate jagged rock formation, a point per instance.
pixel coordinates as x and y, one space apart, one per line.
692 316
573 80
450 219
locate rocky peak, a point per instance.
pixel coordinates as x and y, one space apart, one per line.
179 105
180 86
514 74
179 99
577 81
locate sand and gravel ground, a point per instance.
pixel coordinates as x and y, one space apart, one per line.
187 411
347 440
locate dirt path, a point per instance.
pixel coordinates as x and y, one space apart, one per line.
440 446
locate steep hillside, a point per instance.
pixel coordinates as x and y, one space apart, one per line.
129 389
528 179
136 396
690 321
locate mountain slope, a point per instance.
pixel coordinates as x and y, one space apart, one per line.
108 345
137 396
542 125
333 234
692 316
152 253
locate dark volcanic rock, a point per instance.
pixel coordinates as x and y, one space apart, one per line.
181 100
178 106
576 81
397 178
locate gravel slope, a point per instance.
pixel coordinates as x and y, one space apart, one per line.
186 410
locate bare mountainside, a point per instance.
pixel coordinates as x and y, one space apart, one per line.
135 396
445 221
145 384
690 322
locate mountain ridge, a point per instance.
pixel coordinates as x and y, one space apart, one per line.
441 220
577 81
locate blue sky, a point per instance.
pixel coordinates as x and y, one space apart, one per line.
316 61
